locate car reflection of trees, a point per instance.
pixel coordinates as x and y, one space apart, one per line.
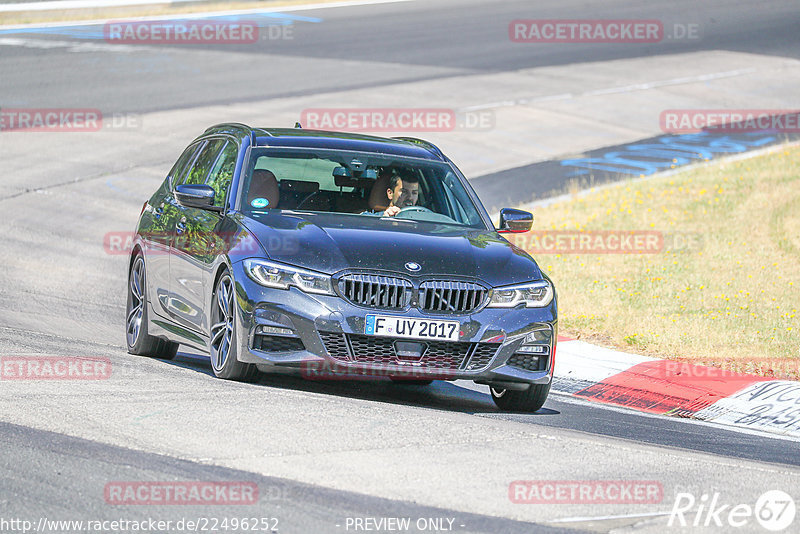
197 241
201 239
204 244
220 185
482 240
157 230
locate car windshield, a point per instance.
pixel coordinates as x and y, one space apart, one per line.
357 183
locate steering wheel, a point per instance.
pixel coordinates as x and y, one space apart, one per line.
414 209
434 217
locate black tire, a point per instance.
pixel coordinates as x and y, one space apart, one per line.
407 382
139 341
528 401
223 330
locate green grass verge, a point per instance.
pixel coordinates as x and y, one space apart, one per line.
723 290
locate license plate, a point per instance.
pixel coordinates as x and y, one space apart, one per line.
404 327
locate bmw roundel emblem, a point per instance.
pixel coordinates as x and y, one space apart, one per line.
413 267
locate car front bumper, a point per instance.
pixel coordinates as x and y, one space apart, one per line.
323 337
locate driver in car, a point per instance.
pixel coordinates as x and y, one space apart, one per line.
403 191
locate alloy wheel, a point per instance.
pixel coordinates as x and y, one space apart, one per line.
222 329
135 302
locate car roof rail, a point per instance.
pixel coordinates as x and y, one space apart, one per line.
237 127
425 144
243 128
229 124
255 132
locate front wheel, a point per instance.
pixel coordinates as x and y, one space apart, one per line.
529 400
223 345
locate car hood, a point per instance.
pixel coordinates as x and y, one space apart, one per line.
332 242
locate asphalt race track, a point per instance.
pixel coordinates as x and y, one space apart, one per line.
324 455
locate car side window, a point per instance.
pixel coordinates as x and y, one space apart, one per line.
202 166
457 198
222 173
188 156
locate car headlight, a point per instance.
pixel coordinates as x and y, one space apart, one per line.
532 294
281 276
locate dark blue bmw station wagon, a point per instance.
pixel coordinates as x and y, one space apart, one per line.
335 255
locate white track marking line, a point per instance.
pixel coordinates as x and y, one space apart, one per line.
607 517
672 81
72 46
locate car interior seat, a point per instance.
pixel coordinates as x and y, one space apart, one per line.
378 201
264 185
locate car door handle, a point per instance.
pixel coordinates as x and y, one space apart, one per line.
180 227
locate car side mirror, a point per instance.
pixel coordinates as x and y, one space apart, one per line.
196 196
514 221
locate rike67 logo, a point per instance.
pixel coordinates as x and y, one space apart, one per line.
774 510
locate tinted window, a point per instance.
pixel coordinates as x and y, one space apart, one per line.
199 171
222 173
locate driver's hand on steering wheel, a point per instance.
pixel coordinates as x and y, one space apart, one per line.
391 211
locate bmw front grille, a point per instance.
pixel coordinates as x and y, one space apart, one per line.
393 293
